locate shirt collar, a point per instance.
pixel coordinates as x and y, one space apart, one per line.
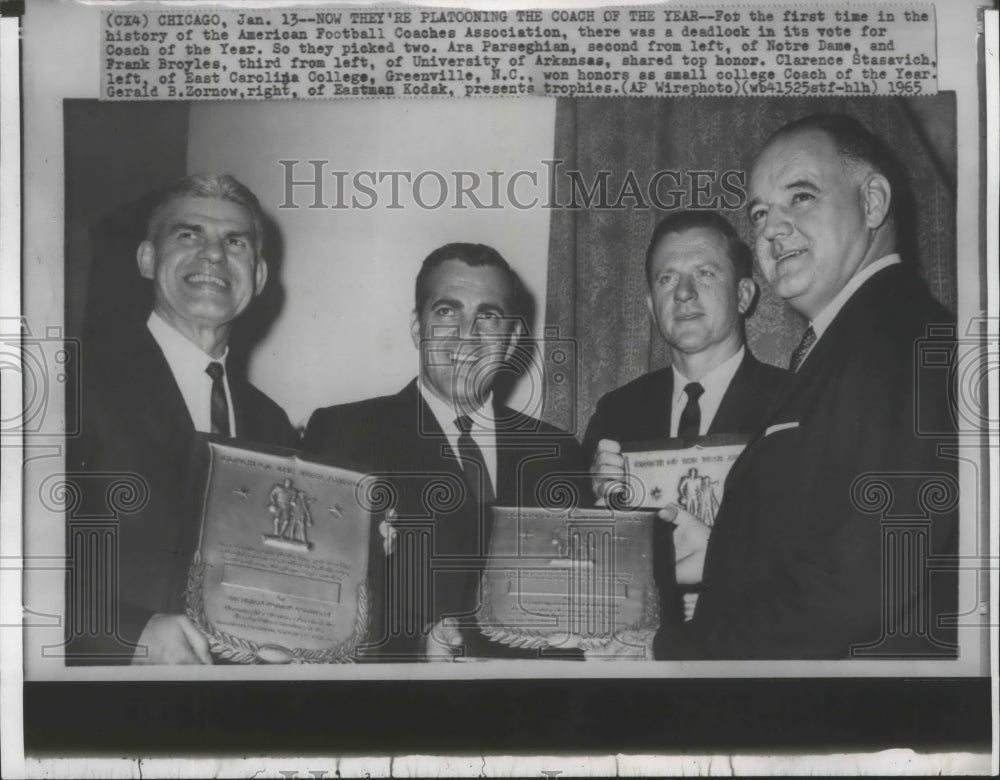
182 356
718 378
445 414
832 309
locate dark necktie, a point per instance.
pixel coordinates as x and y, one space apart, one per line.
473 464
690 422
220 408
799 355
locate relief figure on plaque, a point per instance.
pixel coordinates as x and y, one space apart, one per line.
280 506
289 510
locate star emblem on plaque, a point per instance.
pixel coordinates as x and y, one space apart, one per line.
690 473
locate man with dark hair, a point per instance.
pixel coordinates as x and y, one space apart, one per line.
801 561
449 449
700 290
474 256
145 395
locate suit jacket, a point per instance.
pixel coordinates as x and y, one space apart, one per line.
641 410
435 568
834 512
135 421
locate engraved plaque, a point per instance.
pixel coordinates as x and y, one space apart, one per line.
280 570
568 579
688 472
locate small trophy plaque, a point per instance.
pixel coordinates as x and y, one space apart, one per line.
688 472
279 575
568 579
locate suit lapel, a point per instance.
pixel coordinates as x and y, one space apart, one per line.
157 398
420 431
516 445
729 416
508 458
851 324
252 421
660 405
246 417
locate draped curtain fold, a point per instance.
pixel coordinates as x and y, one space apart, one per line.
596 284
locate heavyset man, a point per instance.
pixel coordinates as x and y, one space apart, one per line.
801 563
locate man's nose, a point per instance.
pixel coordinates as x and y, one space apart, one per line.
212 250
472 328
685 289
776 224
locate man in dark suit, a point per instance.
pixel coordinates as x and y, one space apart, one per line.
146 393
700 290
448 449
836 525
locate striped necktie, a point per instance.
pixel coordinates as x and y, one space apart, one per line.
220 407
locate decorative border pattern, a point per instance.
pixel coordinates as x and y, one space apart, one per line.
243 651
534 638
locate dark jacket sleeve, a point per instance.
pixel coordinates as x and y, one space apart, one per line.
597 429
805 567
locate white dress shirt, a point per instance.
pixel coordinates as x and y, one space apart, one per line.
832 309
188 363
715 384
483 430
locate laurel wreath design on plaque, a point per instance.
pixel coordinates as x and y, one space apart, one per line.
535 638
243 651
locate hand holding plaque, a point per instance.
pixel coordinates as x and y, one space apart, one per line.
607 472
568 578
690 545
690 473
280 571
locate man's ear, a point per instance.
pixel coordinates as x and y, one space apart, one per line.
415 328
145 258
259 276
746 292
649 305
877 194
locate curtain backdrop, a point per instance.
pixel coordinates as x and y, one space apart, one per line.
596 284
111 173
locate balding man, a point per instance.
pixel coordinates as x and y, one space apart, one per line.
806 559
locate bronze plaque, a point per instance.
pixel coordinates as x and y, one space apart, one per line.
568 579
688 472
280 571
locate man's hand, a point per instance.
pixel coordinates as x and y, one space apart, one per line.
172 639
690 543
443 641
389 534
607 469
690 602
